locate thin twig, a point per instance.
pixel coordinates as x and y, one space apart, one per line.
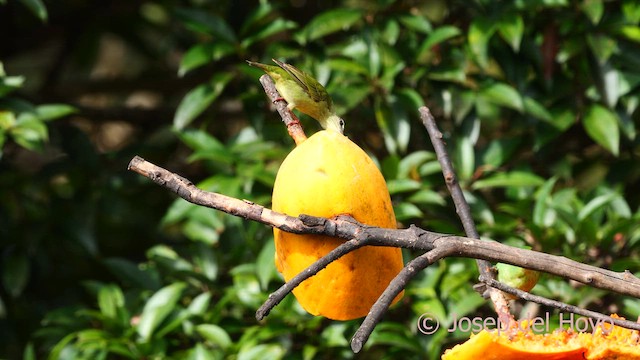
558 305
396 285
289 118
462 209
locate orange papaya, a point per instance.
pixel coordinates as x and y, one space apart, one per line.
328 175
607 342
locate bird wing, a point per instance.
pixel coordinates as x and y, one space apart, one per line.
316 91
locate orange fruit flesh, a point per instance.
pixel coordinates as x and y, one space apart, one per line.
616 343
328 175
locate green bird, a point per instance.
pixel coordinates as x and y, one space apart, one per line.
304 93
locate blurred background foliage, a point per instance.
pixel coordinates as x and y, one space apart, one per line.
538 101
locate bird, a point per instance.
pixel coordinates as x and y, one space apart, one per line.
303 92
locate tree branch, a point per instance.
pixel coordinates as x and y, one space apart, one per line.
413 238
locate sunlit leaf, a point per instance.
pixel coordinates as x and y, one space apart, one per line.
406 211
411 162
158 308
543 214
110 299
537 110
198 99
504 95
396 186
480 32
464 156
265 267
596 204
602 126
214 334
415 22
261 351
202 54
200 304
440 34
274 27
54 111
510 29
509 179
327 23
593 9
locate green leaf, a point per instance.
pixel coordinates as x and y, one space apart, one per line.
593 9
261 351
416 23
535 109
465 160
631 32
29 132
510 29
543 214
158 307
595 204
198 99
452 74
130 273
206 23
405 211
7 120
273 27
265 267
29 352
327 23
200 304
15 274
499 151
37 7
602 46
631 11
54 111
503 95
200 140
412 162
214 334
510 179
427 197
480 32
397 186
439 35
206 262
601 124
110 299
333 335
202 54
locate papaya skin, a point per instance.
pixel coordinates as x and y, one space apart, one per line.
328 175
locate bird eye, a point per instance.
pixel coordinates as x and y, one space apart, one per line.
341 124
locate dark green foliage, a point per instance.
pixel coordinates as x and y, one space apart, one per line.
538 102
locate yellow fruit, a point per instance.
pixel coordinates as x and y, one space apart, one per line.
328 175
